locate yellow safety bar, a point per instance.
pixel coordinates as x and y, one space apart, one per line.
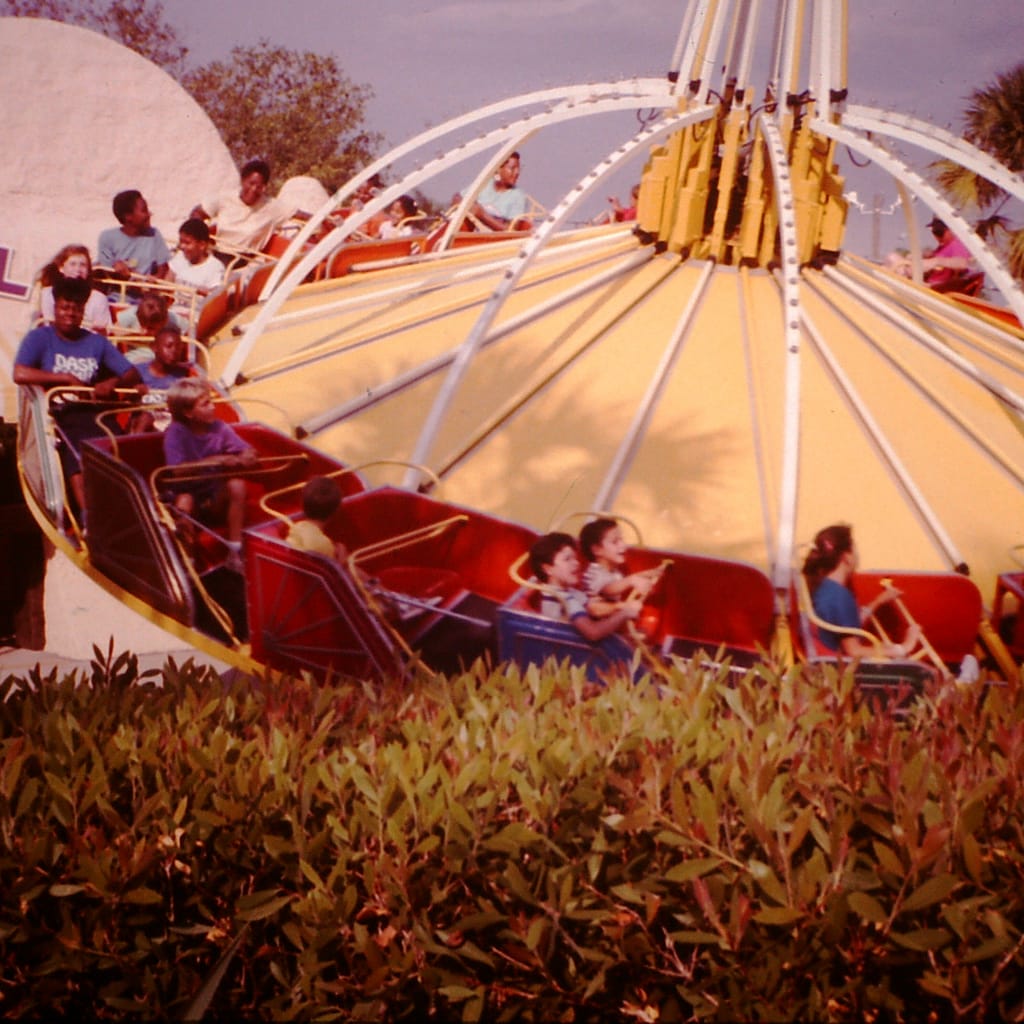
926 649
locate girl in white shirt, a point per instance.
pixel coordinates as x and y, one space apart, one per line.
74 261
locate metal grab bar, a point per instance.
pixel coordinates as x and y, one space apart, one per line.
188 472
84 394
926 648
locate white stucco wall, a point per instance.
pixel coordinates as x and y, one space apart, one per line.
83 118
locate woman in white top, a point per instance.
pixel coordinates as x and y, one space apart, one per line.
74 261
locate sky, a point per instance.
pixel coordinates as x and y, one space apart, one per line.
428 60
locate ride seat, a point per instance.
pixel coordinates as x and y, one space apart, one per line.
525 637
143 452
252 284
214 311
526 601
962 284
1010 623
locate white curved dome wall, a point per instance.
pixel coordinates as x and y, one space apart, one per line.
84 118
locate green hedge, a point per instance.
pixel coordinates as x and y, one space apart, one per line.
508 847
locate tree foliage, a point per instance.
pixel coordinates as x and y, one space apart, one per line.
499 846
297 110
138 24
994 122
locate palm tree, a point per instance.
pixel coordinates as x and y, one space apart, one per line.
994 122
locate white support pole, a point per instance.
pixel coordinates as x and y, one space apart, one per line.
821 57
789 485
682 44
711 63
789 43
688 71
747 53
913 232
518 266
730 52
778 44
840 28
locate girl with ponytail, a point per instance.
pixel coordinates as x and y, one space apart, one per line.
829 569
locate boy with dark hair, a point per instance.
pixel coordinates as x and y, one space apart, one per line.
555 562
168 364
256 166
501 204
63 353
124 203
160 374
193 264
321 497
136 247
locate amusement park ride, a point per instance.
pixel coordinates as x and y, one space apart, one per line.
719 372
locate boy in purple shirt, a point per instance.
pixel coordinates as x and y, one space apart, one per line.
196 435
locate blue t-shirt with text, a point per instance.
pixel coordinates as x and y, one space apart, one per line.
44 349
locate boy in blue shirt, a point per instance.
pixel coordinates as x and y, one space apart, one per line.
168 365
135 246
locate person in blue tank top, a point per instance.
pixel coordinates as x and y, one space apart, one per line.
829 570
